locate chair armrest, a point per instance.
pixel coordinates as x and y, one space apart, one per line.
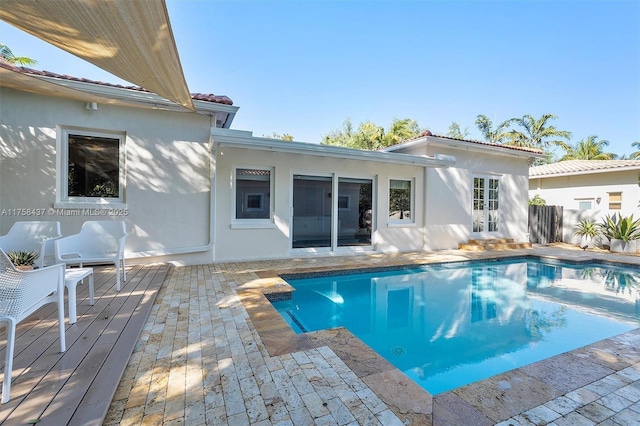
47 247
121 243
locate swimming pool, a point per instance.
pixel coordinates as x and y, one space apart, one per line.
449 325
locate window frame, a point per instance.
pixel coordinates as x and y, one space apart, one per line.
487 202
63 200
581 202
614 202
239 222
412 197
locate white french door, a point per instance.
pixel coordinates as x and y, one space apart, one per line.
486 214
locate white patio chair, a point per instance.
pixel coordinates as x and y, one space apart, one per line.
97 242
21 294
35 236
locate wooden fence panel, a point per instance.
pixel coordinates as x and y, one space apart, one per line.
545 224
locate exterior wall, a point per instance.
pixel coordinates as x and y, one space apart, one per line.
274 242
167 172
567 191
449 193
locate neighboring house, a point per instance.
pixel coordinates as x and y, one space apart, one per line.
588 189
192 190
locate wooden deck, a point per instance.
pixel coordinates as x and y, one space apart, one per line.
76 387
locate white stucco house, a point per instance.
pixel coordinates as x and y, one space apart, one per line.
588 189
192 190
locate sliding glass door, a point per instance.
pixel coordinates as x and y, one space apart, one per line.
354 212
321 219
311 211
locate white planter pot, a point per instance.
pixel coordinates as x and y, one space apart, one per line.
619 246
587 241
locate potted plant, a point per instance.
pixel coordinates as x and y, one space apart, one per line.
622 232
587 230
23 259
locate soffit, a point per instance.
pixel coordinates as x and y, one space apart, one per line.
131 39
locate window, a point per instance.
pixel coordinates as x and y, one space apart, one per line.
344 202
90 167
400 201
253 193
585 205
615 200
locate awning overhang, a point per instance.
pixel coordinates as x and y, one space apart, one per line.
131 39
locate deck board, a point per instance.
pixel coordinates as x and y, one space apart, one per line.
76 387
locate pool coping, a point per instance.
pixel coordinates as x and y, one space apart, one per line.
488 401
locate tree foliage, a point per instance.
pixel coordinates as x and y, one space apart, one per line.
7 56
537 200
590 148
456 132
497 135
636 155
537 133
526 131
370 136
284 136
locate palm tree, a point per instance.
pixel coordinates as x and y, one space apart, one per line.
537 134
369 136
401 130
7 56
636 155
486 128
588 149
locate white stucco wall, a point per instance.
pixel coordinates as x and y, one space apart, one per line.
275 242
449 193
568 191
167 171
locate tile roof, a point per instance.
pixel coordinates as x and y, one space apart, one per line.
581 167
427 133
219 99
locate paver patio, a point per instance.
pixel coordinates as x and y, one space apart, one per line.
214 352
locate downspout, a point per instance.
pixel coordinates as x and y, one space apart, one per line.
425 203
210 246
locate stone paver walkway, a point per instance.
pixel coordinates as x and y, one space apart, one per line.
210 354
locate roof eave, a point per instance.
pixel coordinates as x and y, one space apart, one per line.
467 145
240 139
143 98
585 172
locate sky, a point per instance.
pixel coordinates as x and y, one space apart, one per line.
303 67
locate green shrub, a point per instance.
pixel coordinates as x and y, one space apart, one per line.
22 257
586 228
537 200
620 228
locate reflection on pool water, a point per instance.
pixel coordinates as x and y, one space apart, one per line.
449 325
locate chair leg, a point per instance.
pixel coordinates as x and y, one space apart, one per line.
124 271
59 299
118 274
60 303
8 363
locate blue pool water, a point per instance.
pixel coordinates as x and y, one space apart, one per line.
449 325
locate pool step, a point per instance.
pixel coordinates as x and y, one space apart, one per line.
493 244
